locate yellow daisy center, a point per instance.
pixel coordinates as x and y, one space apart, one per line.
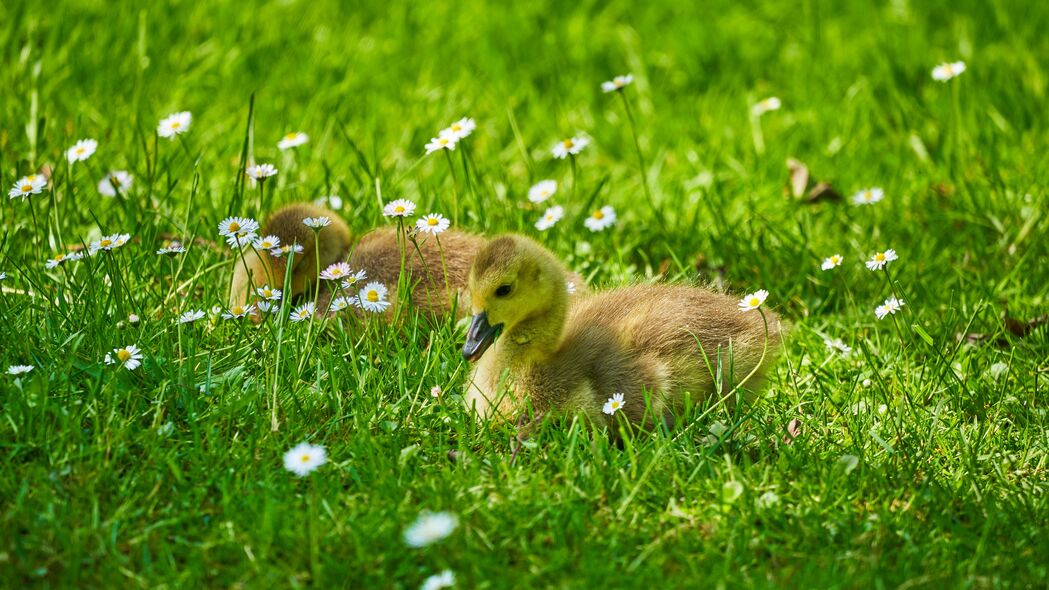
175 124
237 310
432 221
105 243
26 188
59 257
754 302
373 296
398 209
291 136
80 150
457 127
880 256
305 459
568 143
598 214
234 226
123 355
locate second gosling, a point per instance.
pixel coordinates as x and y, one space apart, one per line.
532 345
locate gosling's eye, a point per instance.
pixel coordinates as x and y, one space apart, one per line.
503 290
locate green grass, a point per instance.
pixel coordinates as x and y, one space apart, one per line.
949 486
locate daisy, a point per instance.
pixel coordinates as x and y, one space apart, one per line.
237 311
191 316
753 300
445 579
617 83
838 345
330 201
434 223
602 219
261 172
868 196
435 391
304 311
571 146
350 281
337 271
373 297
81 150
130 357
340 303
108 243
319 222
832 262
880 259
267 243
399 208
430 528
542 190
175 124
232 226
460 129
769 104
295 248
269 293
133 318
117 180
614 404
891 306
28 185
293 139
550 217
172 249
3 275
268 306
444 141
60 258
19 369
304 458
946 71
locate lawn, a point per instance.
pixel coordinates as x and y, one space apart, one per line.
918 459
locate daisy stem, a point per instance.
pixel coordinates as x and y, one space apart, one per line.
892 287
311 532
641 160
575 179
317 259
455 181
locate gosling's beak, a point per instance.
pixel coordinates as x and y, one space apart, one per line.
479 336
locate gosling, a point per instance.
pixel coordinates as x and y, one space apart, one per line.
533 345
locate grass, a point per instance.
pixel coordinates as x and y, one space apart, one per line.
921 458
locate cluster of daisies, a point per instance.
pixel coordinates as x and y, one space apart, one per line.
451 135
429 527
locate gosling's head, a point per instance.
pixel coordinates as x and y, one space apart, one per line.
512 279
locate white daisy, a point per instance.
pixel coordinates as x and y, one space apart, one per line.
267 243
351 281
117 180
838 345
617 83
232 226
175 124
269 293
891 306
373 297
946 71
133 318
430 528
602 219
81 150
868 196
3 275
434 223
571 146
550 217
880 259
542 190
293 139
336 272
319 222
19 369
614 404
769 104
304 311
172 249
191 316
295 248
753 300
445 579
330 201
304 458
441 142
833 261
261 172
108 243
237 311
28 185
60 258
130 357
268 306
399 208
340 303
460 129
